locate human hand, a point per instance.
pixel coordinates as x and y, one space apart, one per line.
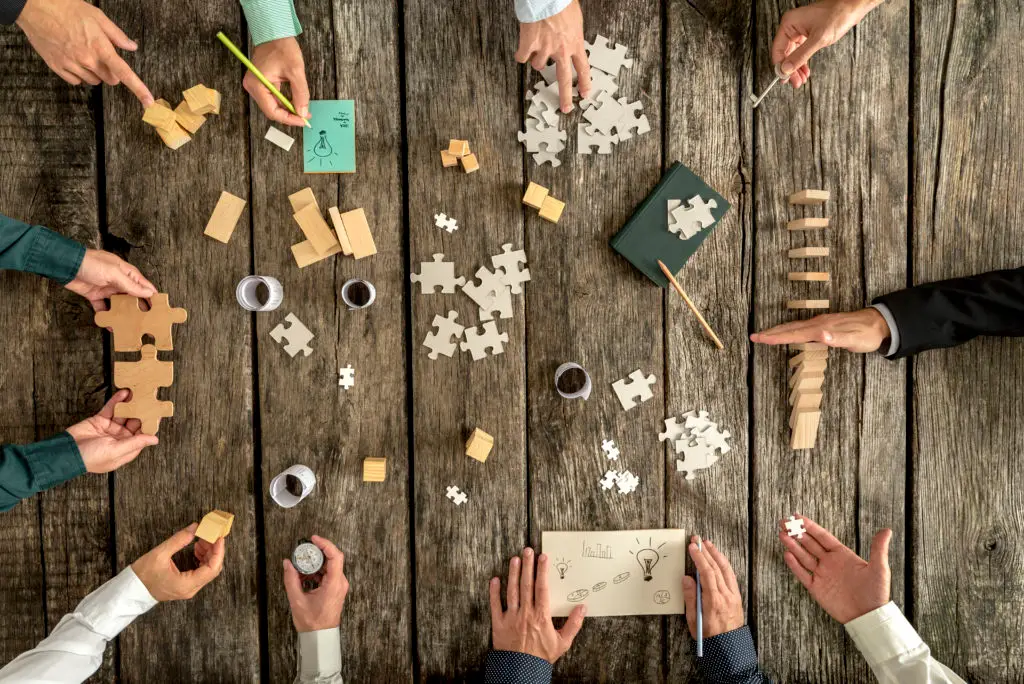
103 274
320 608
839 580
526 627
559 38
280 60
107 443
161 576
719 592
805 30
77 41
857 331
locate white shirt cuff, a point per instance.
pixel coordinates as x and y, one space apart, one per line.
320 652
113 606
894 331
529 11
883 634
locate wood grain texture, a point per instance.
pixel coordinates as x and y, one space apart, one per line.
305 416
159 201
587 304
967 402
707 53
458 549
804 140
53 365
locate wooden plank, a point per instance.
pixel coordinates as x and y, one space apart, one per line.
602 333
49 172
830 134
205 454
346 49
708 50
967 183
479 102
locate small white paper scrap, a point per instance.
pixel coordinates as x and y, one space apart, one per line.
280 138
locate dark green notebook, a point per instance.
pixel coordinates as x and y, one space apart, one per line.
645 238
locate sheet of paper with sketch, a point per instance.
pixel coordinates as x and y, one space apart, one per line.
624 572
329 144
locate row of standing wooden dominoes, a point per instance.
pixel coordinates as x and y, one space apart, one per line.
808 366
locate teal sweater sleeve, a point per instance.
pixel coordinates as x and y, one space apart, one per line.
32 468
271 19
38 250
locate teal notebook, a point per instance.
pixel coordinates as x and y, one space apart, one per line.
329 145
645 238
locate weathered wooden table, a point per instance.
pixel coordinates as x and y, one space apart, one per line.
910 121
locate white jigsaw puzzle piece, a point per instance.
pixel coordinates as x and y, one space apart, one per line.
606 115
634 386
541 158
508 263
538 134
587 138
297 335
444 223
500 302
600 82
673 430
347 377
438 273
795 527
445 340
602 55
477 343
491 283
687 221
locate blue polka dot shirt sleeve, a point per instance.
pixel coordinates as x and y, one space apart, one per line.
731 658
511 667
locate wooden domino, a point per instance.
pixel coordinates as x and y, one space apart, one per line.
202 100
316 230
805 428
806 356
374 469
809 197
806 252
339 228
188 119
479 445
806 372
808 346
224 217
302 199
358 231
535 195
808 276
807 384
305 255
807 304
807 399
810 223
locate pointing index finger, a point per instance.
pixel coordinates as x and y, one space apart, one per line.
563 72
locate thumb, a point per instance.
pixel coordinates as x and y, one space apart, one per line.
300 90
179 540
690 600
131 282
802 54
292 583
880 548
573 625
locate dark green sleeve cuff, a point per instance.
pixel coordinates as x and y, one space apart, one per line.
54 256
31 468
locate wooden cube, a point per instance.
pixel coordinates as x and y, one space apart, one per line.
809 197
448 159
535 195
807 304
479 445
807 276
805 252
215 525
810 223
374 469
188 119
551 209
174 138
160 117
805 428
202 100
469 163
458 148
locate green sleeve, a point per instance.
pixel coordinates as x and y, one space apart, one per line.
271 19
31 468
38 250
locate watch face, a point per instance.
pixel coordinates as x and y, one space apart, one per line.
307 558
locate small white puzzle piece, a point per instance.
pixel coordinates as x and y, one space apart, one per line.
297 335
795 527
456 496
541 158
605 115
444 223
673 430
547 95
588 138
550 73
540 112
538 134
491 283
600 82
689 220
610 450
609 479
699 440
500 302
695 457
347 377
477 343
609 59
635 386
445 340
508 262
628 123
627 482
438 273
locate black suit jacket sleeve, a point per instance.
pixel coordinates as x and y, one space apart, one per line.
950 312
10 9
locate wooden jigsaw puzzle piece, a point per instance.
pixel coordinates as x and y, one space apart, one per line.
144 378
128 322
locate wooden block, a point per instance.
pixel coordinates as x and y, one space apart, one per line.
810 223
188 119
305 255
358 231
817 276
809 197
807 399
129 323
215 525
202 100
469 163
160 117
805 252
806 373
805 429
374 469
302 199
458 148
316 230
174 138
224 217
144 378
813 366
535 195
807 304
808 346
213 97
448 159
808 384
551 209
805 356
479 445
339 228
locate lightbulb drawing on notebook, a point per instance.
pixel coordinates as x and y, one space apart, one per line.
322 151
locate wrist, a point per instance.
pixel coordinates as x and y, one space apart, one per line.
879 326
315 626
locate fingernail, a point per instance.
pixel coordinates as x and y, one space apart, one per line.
515 560
584 611
787 68
284 563
527 551
542 557
494 580
304 112
193 527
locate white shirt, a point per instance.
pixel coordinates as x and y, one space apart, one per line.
894 650
74 649
529 11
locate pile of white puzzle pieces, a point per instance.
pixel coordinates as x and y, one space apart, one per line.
608 120
698 439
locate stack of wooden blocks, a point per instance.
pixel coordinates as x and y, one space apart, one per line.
174 126
458 153
539 197
351 235
215 525
809 364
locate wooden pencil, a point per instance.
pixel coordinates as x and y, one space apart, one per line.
703 323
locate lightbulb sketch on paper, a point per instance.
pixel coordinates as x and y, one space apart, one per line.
329 145
627 572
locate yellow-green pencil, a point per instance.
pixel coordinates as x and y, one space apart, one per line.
256 72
